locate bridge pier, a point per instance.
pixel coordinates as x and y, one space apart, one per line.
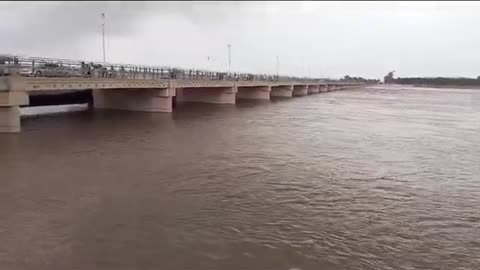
323 88
10 111
313 89
217 95
146 100
331 87
10 119
300 90
282 91
254 92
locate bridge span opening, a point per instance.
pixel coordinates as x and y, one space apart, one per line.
65 98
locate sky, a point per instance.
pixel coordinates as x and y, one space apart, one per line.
315 39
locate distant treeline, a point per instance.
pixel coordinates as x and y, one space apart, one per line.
440 81
437 81
348 79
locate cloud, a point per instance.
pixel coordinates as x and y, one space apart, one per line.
333 38
57 21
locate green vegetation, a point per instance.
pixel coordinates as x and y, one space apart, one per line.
348 79
435 81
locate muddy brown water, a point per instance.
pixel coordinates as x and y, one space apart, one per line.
375 178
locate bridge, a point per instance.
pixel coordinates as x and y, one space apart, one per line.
138 88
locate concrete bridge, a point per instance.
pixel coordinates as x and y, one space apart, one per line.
147 93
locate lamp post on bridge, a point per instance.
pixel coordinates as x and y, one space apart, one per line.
103 36
229 46
278 67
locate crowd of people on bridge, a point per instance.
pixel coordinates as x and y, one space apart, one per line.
47 68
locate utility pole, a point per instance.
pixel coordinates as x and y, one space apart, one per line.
103 36
229 57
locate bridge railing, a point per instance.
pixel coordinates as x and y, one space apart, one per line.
56 67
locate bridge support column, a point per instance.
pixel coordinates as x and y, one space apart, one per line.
217 95
331 87
282 91
10 111
254 92
323 88
146 100
313 89
300 90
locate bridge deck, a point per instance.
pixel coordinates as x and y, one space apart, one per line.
18 83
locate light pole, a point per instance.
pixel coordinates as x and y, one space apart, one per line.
278 67
103 36
229 56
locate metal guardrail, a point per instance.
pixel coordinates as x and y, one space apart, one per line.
56 67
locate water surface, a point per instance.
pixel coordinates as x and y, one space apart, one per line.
376 178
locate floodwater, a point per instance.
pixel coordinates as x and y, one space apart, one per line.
376 178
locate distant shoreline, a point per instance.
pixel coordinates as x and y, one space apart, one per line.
473 87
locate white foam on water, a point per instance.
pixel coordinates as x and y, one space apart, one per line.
42 110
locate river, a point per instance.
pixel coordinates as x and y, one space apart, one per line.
374 178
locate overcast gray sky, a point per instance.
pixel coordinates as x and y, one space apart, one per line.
323 39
